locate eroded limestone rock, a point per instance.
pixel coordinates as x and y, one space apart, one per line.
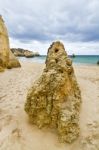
7 59
54 99
24 53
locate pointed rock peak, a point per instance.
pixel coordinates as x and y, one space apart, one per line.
1 18
56 47
54 99
56 54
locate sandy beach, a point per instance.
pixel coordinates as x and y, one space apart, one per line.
16 132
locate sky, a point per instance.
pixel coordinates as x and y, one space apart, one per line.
35 24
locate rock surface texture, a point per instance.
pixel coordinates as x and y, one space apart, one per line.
7 59
54 99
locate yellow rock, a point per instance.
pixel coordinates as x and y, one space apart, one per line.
54 99
1 69
6 56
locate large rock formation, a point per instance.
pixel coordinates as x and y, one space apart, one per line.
54 100
24 53
7 59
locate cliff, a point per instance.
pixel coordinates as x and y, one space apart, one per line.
54 99
23 53
7 59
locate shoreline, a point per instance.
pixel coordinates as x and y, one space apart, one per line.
90 60
74 64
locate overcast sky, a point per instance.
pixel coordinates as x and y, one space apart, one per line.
35 24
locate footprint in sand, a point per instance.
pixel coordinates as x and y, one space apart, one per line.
5 119
91 141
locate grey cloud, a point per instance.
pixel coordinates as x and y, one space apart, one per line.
43 20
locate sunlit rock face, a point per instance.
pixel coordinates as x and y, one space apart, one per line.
7 59
24 53
54 99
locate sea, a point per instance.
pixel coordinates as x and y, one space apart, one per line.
78 59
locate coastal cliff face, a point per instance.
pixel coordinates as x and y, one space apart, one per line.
24 53
54 99
7 59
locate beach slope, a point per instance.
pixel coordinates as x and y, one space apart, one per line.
16 132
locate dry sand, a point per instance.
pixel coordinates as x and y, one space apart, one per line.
16 133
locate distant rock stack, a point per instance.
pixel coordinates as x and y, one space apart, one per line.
24 53
7 59
54 100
